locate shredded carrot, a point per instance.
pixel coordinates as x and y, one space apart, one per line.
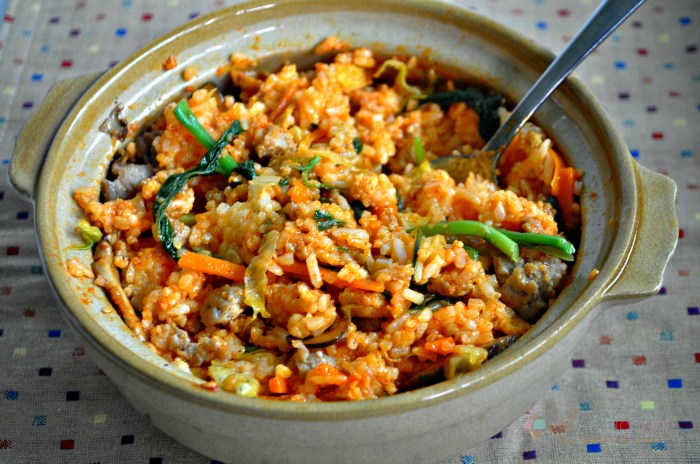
558 166
325 374
278 385
285 100
565 193
210 265
331 278
442 346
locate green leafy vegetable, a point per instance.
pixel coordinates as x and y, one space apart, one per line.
357 209
226 166
174 184
399 202
418 149
357 145
305 169
472 252
485 105
90 235
283 182
325 221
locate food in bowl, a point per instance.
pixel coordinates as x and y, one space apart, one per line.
286 237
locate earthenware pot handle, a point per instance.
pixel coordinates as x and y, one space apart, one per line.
38 132
655 239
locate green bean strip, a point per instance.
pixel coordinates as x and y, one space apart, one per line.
418 150
531 240
477 229
184 114
174 184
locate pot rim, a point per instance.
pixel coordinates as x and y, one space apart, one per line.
544 335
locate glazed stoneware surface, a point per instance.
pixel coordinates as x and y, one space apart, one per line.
618 257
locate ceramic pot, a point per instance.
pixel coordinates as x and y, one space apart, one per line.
629 231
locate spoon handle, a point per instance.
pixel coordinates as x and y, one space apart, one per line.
605 19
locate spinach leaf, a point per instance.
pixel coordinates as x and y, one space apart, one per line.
325 221
174 184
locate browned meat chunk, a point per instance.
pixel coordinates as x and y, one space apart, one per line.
529 286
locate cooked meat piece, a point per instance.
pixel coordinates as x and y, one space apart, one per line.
528 286
128 177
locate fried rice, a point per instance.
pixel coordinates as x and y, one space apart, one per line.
309 271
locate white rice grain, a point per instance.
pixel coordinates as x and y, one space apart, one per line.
314 271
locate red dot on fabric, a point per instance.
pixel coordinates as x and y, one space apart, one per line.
622 425
563 13
642 52
67 444
8 18
657 135
681 233
66 63
647 80
697 357
146 17
674 93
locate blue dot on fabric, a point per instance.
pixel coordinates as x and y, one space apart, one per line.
467 459
635 154
54 333
658 446
121 32
685 20
45 48
632 316
127 3
612 384
37 77
693 311
11 395
669 65
542 25
37 270
528 455
629 122
2 120
7 161
585 406
27 33
593 448
615 38
39 421
686 153
620 65
675 383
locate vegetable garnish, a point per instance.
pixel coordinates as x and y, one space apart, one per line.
402 74
485 105
472 252
549 244
418 150
325 221
210 265
505 240
184 114
173 184
357 145
465 227
255 278
331 278
228 166
306 169
90 235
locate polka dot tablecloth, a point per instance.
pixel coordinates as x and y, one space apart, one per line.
631 392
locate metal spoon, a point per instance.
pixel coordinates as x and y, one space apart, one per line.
604 20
